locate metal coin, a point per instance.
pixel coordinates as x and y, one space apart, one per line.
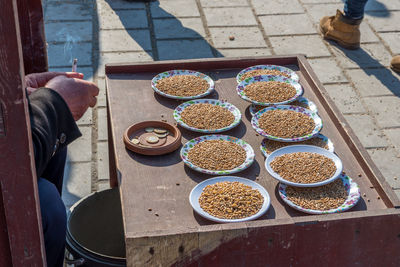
160 130
152 139
149 129
135 141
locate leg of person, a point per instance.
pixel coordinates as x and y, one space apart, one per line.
54 220
354 9
54 171
345 29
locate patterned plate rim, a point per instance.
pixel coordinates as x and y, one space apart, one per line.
293 74
313 107
171 73
235 111
353 196
313 115
265 78
194 201
320 136
246 146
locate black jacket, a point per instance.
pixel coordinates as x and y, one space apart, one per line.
52 124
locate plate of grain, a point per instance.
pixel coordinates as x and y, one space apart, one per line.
268 90
338 196
207 115
266 70
304 166
287 123
268 146
229 199
300 102
182 84
217 154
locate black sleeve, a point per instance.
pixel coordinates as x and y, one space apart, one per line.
53 126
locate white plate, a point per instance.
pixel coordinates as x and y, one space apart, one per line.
353 195
268 78
320 136
304 148
311 105
292 74
171 73
223 104
198 189
246 146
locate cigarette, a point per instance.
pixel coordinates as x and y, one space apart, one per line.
75 65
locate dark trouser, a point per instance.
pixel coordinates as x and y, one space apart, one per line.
354 9
54 218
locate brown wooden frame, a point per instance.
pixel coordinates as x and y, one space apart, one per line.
21 237
336 239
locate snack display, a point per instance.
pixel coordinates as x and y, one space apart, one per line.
230 200
299 102
259 72
266 70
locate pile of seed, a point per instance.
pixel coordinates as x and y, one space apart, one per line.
330 196
217 155
207 116
183 85
294 103
230 200
253 73
270 92
271 145
286 123
304 167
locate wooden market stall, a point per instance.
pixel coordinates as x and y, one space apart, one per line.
160 225
22 50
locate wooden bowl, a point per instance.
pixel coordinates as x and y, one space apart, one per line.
172 142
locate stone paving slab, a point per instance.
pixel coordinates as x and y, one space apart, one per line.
61 55
374 5
382 24
81 149
310 45
369 55
178 28
388 162
101 99
263 7
327 70
69 31
367 131
119 4
102 161
102 134
77 183
375 82
245 52
385 109
318 11
130 40
294 24
223 3
183 49
243 37
87 118
230 16
110 19
345 98
68 11
392 39
394 137
174 8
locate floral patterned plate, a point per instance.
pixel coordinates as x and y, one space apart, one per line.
353 195
231 108
190 144
288 71
309 113
304 148
268 78
303 102
171 73
319 136
198 189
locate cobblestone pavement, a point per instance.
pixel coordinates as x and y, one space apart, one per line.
108 31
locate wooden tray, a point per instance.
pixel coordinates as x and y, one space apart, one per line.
160 225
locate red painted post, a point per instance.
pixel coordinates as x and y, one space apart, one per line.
20 219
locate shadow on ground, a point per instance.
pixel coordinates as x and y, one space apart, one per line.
375 8
173 40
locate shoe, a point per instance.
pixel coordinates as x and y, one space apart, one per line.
395 64
344 31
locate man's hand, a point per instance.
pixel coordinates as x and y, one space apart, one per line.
78 94
34 81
